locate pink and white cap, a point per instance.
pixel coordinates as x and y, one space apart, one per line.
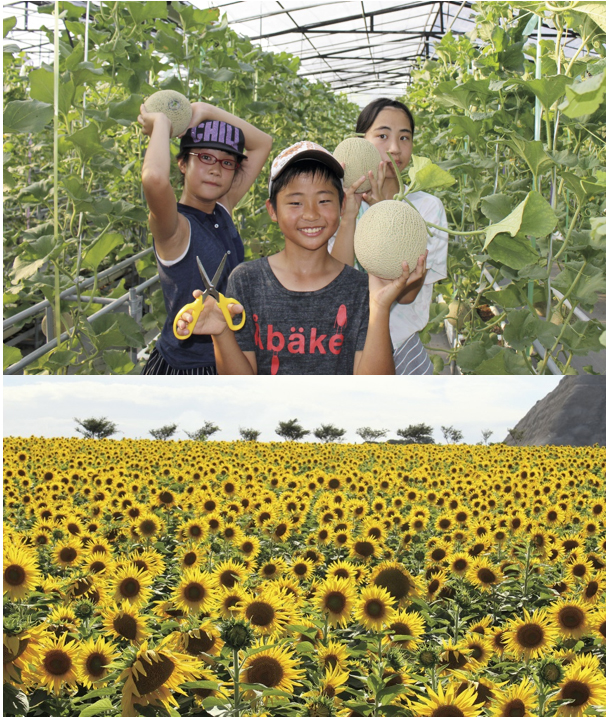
299 151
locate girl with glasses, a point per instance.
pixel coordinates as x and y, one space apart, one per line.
220 157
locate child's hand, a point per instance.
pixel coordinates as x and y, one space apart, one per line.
352 200
210 321
200 111
376 186
148 120
383 292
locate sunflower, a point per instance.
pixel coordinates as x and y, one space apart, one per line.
68 553
272 569
302 569
190 557
578 569
230 573
398 582
375 607
530 636
333 681
21 573
228 601
571 618
435 584
267 613
598 625
447 704
249 547
195 592
153 675
335 599
206 639
410 625
483 574
149 526
20 649
344 569
516 701
95 660
57 663
454 656
459 563
593 589
333 655
479 648
193 529
365 549
585 685
132 584
275 667
125 622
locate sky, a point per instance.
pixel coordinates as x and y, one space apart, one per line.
47 405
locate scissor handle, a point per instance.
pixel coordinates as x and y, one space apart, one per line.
224 306
194 309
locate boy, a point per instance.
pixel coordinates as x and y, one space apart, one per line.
307 313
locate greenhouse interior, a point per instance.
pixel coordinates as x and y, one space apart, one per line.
509 108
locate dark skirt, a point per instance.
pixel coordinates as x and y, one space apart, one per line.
157 366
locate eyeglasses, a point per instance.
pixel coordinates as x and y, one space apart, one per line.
229 164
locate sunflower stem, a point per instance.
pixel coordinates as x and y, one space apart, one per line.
326 626
526 568
236 682
456 622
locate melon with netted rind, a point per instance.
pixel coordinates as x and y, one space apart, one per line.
387 234
360 156
174 105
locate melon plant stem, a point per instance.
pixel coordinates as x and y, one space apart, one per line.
56 177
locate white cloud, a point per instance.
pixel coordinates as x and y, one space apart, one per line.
46 406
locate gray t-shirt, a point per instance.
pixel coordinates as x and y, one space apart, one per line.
300 332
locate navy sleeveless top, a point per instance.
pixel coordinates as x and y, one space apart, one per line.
211 236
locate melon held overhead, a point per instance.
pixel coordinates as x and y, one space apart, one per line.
174 105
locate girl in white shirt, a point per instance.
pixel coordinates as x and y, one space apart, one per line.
389 125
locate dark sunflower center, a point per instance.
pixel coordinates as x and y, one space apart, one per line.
269 569
15 575
8 656
265 670
400 628
147 527
433 586
228 578
335 602
571 617
95 664
334 483
364 548
166 497
57 662
577 691
300 569
395 582
68 555
158 673
342 573
460 564
260 614
194 592
438 554
515 708
140 564
375 608
591 589
280 530
477 652
126 626
331 661
530 635
195 531
447 711
129 587
97 566
189 558
247 547
579 570
486 576
203 643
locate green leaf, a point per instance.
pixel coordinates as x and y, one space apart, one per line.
126 110
94 693
9 23
26 116
11 355
14 701
587 287
101 706
142 11
584 98
508 298
470 356
87 141
118 362
515 252
603 339
534 216
200 685
532 153
424 175
547 89
496 207
595 10
466 126
101 248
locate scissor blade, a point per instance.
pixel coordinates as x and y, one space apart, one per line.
203 274
219 271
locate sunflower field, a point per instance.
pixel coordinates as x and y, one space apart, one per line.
240 578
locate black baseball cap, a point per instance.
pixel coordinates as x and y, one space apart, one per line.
215 134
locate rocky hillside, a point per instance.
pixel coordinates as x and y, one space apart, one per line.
573 414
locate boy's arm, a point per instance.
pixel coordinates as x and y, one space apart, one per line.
377 355
257 144
169 229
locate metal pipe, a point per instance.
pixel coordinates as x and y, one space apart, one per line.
36 308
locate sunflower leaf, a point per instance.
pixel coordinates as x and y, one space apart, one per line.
14 702
101 706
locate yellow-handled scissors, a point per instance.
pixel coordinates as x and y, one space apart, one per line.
196 306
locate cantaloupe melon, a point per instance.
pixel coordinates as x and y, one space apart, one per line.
174 105
458 313
387 234
359 156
